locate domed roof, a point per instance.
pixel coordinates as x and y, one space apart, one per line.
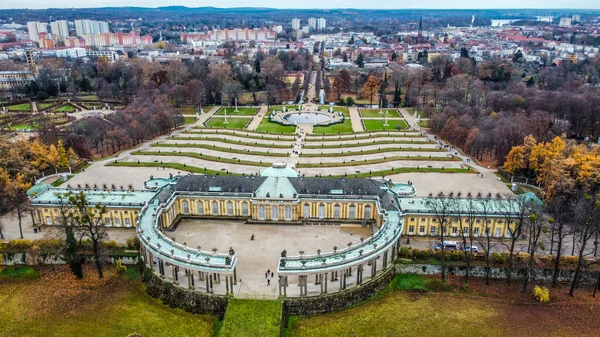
279 170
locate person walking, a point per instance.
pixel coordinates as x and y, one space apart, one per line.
268 282
252 237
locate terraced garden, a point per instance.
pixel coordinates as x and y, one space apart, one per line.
378 124
241 111
391 113
232 123
266 126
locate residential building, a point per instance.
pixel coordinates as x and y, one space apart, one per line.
321 24
14 79
85 27
35 28
306 29
296 24
312 22
110 39
60 28
565 22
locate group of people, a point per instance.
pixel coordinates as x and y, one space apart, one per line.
268 276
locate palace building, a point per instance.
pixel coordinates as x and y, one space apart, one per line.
278 196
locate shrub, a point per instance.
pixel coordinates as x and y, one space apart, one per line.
438 285
498 258
521 256
421 254
121 269
406 252
132 243
410 282
542 294
19 245
568 260
19 273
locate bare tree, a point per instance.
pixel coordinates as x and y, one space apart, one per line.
485 240
1 228
466 212
514 215
442 206
586 211
533 228
560 210
88 219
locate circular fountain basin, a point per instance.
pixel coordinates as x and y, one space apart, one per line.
308 118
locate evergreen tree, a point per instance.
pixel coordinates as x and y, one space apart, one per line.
360 61
345 57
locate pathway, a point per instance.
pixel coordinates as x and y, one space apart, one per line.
355 119
34 108
262 111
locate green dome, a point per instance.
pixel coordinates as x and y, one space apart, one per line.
279 170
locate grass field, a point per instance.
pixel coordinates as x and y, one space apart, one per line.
391 113
344 127
58 305
374 142
424 123
88 97
384 150
222 149
233 123
65 108
337 108
251 318
241 112
42 106
176 166
376 161
202 156
266 126
189 120
229 141
19 107
191 110
376 125
25 126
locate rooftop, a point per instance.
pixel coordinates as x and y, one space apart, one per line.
96 197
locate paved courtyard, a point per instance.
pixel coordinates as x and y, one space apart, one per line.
255 257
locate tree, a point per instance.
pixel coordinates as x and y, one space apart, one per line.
533 228
360 61
586 210
231 92
88 219
15 194
69 252
345 58
441 207
485 239
466 213
514 214
371 88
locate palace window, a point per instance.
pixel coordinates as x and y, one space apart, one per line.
476 231
498 232
336 211
215 208
368 212
412 219
352 212
411 229
422 229
186 207
230 208
244 208
433 230
48 220
127 222
321 211
454 230
306 211
261 212
200 206
107 222
465 230
422 219
275 213
118 222
288 213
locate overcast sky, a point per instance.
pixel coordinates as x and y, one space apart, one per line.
375 4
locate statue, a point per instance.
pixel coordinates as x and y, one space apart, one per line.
284 253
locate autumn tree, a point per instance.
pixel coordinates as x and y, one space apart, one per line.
442 207
371 88
88 220
15 195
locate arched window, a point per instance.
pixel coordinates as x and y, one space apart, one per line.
275 213
336 211
186 207
261 212
368 212
230 208
244 208
215 208
288 213
352 212
200 206
321 211
306 211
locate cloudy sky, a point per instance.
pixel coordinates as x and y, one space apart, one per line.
376 4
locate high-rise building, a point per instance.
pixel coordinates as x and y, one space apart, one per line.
321 24
35 28
60 28
576 18
296 24
84 27
312 22
565 22
306 29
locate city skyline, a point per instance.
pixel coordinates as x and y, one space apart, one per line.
313 4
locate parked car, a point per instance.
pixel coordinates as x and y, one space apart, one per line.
448 245
473 249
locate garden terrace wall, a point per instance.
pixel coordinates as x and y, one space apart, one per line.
188 300
339 300
538 274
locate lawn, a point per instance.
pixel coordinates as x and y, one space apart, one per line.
280 107
420 312
88 97
222 149
176 166
233 123
189 120
274 145
65 108
266 126
241 111
337 108
251 318
42 106
424 123
19 107
58 305
392 113
376 125
201 156
344 127
191 110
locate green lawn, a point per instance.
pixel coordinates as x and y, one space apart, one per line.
203 157
280 107
223 149
337 108
276 144
344 127
191 110
233 123
65 108
42 106
88 97
58 305
375 161
176 166
266 126
364 143
375 125
25 126
406 170
189 120
19 107
251 318
381 150
391 113
424 123
241 112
